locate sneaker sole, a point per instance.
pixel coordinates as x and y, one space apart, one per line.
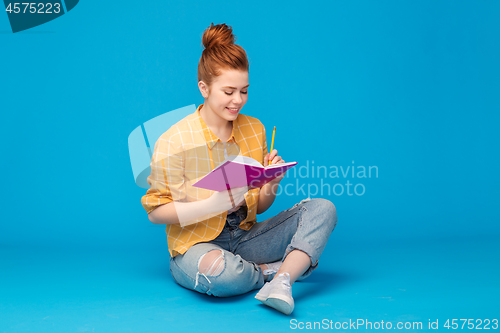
277 302
260 297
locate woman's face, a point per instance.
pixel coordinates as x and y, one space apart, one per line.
228 93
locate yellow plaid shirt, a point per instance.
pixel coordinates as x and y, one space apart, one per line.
183 155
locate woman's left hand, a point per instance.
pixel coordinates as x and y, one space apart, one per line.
275 159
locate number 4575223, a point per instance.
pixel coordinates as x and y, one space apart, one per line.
33 7
471 324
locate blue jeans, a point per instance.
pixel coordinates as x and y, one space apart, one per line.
306 227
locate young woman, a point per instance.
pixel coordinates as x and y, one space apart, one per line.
215 243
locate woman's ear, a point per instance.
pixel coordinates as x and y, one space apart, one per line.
203 89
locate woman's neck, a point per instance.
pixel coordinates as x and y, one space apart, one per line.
217 124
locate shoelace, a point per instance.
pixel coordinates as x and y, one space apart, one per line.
272 268
285 281
286 284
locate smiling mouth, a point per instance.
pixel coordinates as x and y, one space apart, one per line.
233 110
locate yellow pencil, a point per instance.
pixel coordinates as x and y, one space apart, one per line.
272 142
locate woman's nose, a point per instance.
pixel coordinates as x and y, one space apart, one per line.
237 99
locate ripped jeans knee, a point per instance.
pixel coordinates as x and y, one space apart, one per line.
211 263
215 271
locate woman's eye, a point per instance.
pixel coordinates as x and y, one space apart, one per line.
243 92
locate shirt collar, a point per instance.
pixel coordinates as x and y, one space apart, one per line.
210 137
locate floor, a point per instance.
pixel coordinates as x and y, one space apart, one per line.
76 290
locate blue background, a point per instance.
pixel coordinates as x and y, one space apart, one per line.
410 87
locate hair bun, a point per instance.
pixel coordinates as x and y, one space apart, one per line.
221 53
218 35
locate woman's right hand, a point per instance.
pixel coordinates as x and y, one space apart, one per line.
221 201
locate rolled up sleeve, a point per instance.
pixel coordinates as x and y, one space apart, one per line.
167 174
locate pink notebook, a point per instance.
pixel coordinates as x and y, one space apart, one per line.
238 171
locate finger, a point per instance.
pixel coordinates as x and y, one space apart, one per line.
243 188
270 156
238 203
243 191
237 189
273 153
276 159
236 206
240 191
241 201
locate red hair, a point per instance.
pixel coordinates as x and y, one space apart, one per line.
220 53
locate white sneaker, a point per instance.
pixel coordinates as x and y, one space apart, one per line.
277 294
272 269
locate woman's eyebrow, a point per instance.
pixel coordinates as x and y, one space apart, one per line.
235 87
